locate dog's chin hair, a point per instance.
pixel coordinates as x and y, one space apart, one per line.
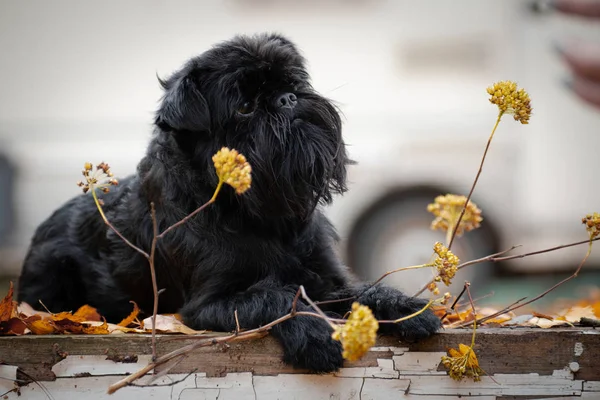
297 162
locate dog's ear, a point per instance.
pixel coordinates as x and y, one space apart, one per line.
183 107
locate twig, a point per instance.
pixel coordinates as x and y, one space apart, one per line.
517 306
237 322
455 302
193 213
533 253
462 213
314 306
107 222
468 263
153 275
395 321
382 277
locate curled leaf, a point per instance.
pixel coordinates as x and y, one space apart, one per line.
131 317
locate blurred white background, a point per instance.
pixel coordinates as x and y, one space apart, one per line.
78 83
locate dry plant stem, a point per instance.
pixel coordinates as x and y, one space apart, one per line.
193 213
133 246
467 284
466 264
382 277
395 321
462 213
495 258
516 306
153 275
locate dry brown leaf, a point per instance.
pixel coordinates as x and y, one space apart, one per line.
544 316
39 326
8 307
94 329
86 313
547 323
13 326
132 317
169 324
574 314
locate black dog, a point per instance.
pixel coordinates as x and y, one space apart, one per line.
246 252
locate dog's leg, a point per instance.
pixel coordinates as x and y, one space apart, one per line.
306 340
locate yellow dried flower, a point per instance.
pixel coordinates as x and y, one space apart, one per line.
97 179
592 224
446 263
358 334
511 100
447 209
462 362
233 169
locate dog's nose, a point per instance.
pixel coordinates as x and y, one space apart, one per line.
286 100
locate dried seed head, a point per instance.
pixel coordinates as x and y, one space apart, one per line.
96 179
446 263
358 334
511 100
233 169
592 224
447 209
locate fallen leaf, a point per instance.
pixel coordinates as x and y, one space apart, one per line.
86 313
93 329
132 317
39 326
13 326
169 324
8 307
574 314
540 315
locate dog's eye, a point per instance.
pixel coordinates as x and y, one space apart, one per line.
246 108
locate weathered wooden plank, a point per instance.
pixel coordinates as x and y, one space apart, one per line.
501 384
500 350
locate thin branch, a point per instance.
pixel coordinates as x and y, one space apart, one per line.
237 322
395 321
462 213
193 213
468 263
153 275
517 306
107 222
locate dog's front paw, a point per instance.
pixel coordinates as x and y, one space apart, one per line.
307 344
391 304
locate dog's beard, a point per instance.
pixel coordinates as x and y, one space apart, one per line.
297 157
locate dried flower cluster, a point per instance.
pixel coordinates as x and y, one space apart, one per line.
511 100
592 224
447 209
233 169
358 334
446 264
462 362
101 178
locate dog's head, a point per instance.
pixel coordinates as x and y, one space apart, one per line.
253 94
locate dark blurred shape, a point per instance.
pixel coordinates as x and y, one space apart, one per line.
7 209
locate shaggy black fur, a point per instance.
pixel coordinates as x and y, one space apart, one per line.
248 252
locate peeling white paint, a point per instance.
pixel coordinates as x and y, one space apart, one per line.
73 366
578 349
418 363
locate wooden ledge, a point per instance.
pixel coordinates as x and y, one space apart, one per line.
522 363
500 351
